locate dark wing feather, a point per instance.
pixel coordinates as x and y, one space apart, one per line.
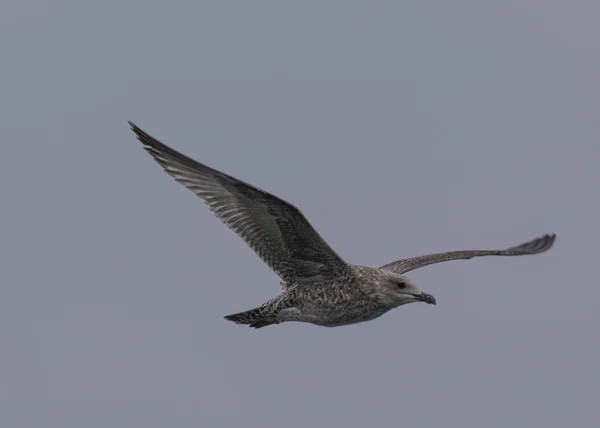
535 246
276 230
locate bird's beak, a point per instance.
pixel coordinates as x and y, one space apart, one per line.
427 298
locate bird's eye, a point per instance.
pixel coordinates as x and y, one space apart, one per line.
401 285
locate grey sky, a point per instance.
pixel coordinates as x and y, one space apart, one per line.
399 128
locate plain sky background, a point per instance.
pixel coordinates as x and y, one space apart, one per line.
399 128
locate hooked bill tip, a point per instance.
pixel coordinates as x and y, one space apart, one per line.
427 298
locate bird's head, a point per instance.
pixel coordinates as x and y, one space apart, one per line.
395 290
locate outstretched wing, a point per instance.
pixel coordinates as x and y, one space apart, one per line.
276 230
535 246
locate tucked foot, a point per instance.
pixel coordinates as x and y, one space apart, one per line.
257 318
263 322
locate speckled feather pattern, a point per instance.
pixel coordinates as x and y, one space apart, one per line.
317 285
344 300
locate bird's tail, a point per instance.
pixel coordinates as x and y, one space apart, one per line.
257 317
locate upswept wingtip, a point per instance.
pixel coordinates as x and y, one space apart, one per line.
535 246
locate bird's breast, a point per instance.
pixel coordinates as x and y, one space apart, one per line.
338 307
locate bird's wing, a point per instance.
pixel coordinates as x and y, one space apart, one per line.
276 230
535 246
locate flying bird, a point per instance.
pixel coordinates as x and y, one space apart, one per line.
317 285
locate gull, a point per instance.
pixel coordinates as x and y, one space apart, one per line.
317 285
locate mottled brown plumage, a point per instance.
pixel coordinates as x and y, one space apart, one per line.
318 286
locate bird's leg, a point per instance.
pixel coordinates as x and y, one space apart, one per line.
263 322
